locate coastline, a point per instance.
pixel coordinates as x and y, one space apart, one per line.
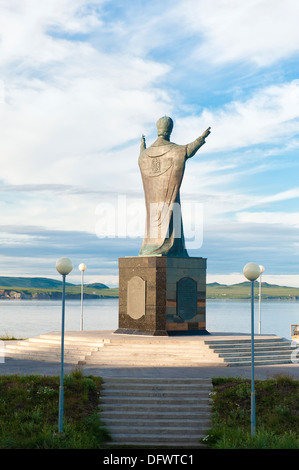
214 291
15 294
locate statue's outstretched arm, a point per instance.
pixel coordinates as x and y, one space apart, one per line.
194 146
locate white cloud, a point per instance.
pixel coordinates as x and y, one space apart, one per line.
24 24
268 116
18 239
257 31
67 102
282 196
51 211
263 217
59 126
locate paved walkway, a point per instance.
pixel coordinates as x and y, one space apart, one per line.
29 367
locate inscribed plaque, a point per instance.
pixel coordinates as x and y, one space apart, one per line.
186 298
136 297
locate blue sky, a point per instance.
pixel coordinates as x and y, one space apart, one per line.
80 81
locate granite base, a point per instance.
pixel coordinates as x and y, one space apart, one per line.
162 295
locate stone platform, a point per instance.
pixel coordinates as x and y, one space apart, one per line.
105 348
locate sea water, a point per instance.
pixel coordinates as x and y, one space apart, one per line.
27 318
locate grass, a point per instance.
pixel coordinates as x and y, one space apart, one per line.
29 412
7 337
277 414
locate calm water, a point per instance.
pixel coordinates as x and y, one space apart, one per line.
25 318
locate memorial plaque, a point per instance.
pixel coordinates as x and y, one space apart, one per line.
136 297
186 298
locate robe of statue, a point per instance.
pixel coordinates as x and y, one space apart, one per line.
162 168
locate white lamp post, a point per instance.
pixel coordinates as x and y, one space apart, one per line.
252 271
82 268
64 267
262 269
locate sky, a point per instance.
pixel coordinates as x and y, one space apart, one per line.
81 81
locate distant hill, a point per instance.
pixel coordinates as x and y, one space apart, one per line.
97 285
45 288
247 284
243 291
34 282
41 283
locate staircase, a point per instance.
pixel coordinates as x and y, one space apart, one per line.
155 352
113 350
267 351
122 350
156 412
47 347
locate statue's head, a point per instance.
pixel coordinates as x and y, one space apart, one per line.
164 126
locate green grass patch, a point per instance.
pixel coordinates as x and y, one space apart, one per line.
29 412
7 337
277 414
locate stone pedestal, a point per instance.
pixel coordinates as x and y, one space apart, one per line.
160 295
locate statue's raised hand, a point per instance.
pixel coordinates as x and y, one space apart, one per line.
143 144
206 133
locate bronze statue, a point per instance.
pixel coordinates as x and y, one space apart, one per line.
162 168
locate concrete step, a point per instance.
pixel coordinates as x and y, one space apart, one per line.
162 340
259 363
158 439
143 359
153 346
57 341
185 416
123 357
267 351
156 380
154 445
261 347
156 412
45 357
44 348
142 419
156 407
163 429
152 363
163 393
108 349
74 336
29 347
232 354
243 341
134 388
151 356
266 357
257 352
150 400
121 353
